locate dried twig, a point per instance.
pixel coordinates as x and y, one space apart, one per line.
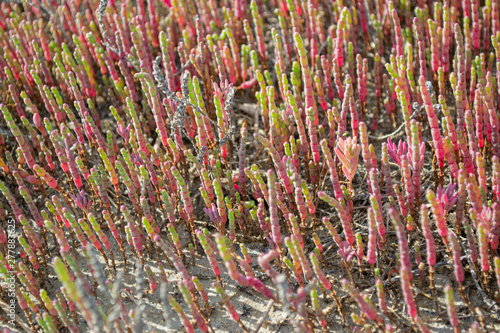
263 318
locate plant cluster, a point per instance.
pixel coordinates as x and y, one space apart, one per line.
128 149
